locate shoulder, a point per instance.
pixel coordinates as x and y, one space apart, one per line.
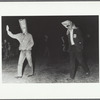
77 30
30 35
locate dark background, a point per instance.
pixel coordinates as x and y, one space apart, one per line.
38 26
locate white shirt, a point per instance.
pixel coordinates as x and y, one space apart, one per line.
71 34
71 37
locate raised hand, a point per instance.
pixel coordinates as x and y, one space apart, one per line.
9 32
7 28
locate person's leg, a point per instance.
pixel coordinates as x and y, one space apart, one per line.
6 54
20 63
29 59
82 62
72 63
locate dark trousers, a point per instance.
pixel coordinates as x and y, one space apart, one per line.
76 55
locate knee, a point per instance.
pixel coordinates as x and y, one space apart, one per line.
31 65
19 64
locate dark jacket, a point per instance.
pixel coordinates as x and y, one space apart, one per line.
78 40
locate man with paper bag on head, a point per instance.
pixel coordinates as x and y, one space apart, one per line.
26 43
75 47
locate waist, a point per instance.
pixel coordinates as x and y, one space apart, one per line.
72 46
24 49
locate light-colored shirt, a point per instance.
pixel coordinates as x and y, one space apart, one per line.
71 37
25 40
71 34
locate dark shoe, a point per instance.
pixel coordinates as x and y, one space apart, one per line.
70 79
72 76
18 77
30 75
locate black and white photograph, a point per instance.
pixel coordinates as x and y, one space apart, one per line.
50 49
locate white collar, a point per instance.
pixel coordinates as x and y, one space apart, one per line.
73 27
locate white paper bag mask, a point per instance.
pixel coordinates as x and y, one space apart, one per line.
67 22
22 23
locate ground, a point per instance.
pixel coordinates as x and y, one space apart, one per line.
53 73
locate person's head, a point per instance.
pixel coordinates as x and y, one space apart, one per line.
23 25
67 24
5 40
8 43
46 36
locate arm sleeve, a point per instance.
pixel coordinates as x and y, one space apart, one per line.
14 36
31 41
80 35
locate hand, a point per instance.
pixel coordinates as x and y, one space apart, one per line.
7 28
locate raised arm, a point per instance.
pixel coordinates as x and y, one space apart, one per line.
10 33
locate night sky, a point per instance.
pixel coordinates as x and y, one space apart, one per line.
38 26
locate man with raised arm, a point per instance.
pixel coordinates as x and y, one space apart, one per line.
26 43
75 47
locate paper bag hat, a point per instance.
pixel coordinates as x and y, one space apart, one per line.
67 22
22 23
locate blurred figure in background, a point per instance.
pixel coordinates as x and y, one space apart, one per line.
63 44
6 48
46 50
